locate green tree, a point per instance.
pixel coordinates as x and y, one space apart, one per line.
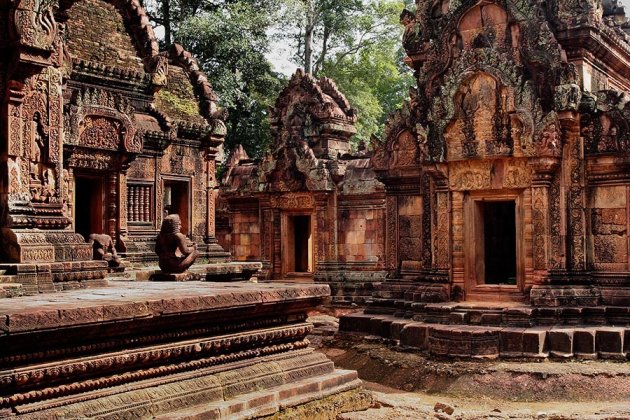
229 39
316 27
368 67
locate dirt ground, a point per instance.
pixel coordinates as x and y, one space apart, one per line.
408 385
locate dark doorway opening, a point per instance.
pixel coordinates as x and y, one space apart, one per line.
88 205
176 201
302 236
499 229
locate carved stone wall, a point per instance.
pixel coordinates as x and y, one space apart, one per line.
76 67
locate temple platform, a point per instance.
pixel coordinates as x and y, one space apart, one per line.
492 330
184 350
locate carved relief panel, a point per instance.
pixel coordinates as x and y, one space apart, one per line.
482 123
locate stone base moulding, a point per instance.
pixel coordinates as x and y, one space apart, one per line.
183 350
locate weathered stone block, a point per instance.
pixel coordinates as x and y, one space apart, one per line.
535 342
584 343
355 323
415 335
561 342
511 342
610 342
161 276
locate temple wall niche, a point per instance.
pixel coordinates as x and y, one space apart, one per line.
108 42
609 227
410 228
361 234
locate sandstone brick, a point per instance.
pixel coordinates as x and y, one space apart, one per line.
414 335
584 343
511 342
561 342
610 342
535 342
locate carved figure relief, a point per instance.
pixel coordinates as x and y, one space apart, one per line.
405 150
482 124
99 119
101 132
468 175
42 175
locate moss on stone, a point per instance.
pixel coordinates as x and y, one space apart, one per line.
180 105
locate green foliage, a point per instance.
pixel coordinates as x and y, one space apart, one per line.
230 43
370 69
355 42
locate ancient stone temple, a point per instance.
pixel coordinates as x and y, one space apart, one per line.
512 153
101 134
105 138
311 207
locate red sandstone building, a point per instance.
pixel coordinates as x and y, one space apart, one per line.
503 178
101 133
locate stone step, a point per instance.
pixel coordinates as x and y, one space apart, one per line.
5 278
10 290
471 341
267 402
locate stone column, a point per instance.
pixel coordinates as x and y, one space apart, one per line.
543 172
112 205
122 210
576 200
391 232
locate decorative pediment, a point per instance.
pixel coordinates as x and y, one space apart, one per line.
405 140
32 24
315 111
101 120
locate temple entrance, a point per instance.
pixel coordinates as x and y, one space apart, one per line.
176 201
493 253
298 244
88 205
499 220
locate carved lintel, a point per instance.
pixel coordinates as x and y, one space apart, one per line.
293 201
439 174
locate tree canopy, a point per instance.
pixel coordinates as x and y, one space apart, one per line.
355 42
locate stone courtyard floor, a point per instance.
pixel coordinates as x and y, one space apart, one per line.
409 385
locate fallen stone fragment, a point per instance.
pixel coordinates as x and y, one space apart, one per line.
444 408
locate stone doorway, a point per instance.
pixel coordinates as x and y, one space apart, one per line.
494 262
499 236
298 245
176 201
88 205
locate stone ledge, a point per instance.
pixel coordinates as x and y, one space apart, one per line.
227 271
127 301
474 341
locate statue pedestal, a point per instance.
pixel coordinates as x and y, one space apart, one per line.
162 276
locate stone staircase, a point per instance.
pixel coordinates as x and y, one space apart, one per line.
485 331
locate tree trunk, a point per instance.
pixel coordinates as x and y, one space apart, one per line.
308 47
166 18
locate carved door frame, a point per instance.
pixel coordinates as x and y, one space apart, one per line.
285 240
474 259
